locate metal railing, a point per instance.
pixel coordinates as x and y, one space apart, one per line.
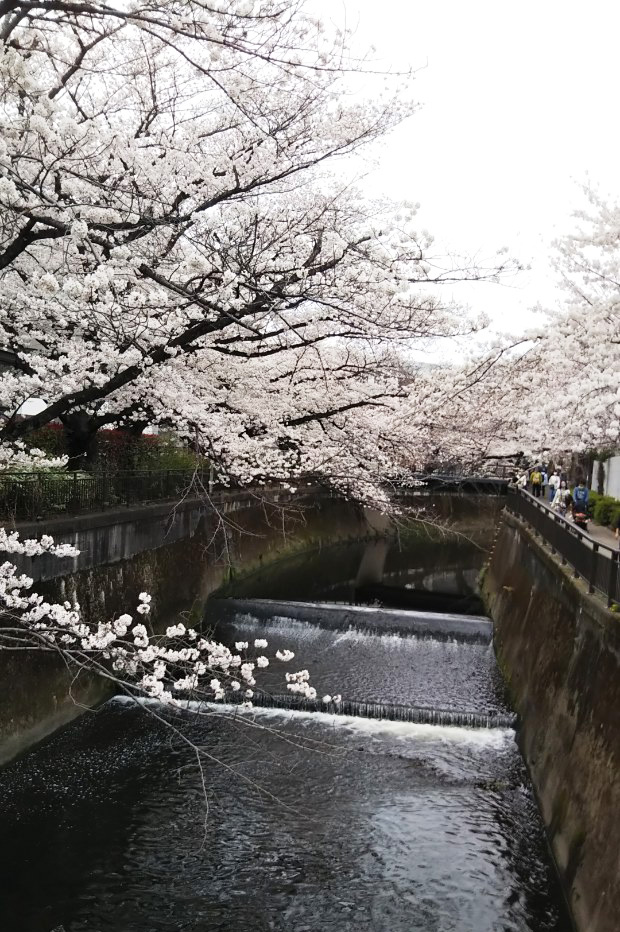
595 562
28 495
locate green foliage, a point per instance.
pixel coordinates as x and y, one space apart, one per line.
119 450
164 451
601 455
603 509
50 439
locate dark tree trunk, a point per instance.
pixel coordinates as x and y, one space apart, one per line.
600 478
81 439
135 428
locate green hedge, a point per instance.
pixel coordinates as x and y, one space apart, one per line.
604 508
118 450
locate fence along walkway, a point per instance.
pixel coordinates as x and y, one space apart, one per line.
31 495
595 562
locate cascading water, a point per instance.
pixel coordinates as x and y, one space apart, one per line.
403 808
382 710
364 665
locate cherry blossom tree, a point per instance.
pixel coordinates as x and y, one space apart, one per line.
580 350
175 249
556 387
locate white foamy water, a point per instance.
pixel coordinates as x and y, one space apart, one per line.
308 630
278 623
374 610
401 731
398 641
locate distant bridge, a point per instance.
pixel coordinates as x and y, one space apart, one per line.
440 482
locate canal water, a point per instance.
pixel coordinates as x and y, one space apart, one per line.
315 821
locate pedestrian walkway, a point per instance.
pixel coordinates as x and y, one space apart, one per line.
601 534
593 555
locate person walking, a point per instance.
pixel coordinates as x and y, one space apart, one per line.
536 480
554 485
562 498
580 499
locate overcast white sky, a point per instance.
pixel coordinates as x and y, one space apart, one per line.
519 107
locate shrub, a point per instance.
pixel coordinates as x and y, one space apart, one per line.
119 450
164 451
603 508
615 514
50 439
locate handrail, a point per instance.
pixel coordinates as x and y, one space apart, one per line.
596 562
560 519
30 495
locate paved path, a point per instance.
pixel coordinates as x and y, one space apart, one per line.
602 534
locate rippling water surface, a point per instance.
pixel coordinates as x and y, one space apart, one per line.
311 822
314 823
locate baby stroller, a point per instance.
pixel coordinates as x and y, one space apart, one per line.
580 517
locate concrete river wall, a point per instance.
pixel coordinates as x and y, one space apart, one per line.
559 650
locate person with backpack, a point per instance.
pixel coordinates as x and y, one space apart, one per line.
536 480
580 504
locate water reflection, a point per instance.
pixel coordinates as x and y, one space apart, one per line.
335 573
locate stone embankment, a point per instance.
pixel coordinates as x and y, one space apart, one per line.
559 650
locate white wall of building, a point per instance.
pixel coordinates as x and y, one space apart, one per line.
612 476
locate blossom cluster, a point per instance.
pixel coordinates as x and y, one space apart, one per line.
299 683
170 667
17 456
10 542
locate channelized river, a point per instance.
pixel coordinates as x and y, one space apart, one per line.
316 821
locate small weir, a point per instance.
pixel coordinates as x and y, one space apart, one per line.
386 711
423 624
409 666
